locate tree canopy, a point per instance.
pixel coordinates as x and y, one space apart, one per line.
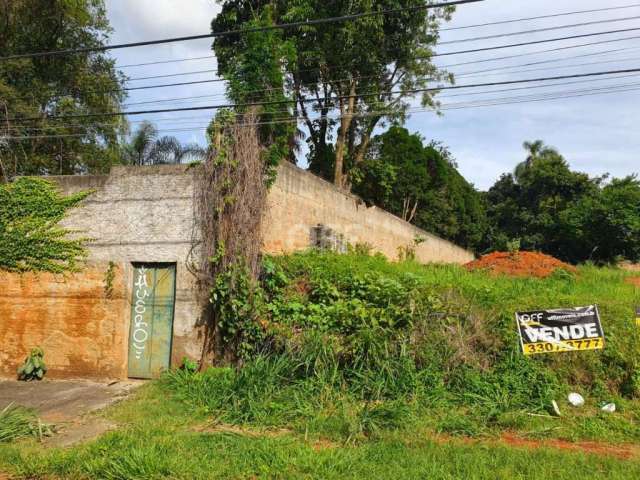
343 78
42 87
145 147
546 206
421 184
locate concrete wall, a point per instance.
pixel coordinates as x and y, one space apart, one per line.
299 201
143 215
146 215
81 328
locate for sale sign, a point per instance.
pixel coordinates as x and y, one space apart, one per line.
560 330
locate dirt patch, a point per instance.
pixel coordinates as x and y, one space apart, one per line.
63 401
81 431
237 430
512 439
633 281
622 451
520 264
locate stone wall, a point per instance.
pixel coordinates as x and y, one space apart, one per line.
79 326
146 215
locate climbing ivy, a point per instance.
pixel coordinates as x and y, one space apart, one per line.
30 238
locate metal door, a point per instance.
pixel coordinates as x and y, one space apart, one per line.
152 308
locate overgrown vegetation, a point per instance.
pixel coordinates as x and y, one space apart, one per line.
30 238
546 206
347 346
229 200
18 422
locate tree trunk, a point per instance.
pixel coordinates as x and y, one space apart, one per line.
346 114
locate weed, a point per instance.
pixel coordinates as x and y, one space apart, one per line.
33 367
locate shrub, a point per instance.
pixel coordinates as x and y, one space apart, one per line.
33 367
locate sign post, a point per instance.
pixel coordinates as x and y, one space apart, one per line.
560 330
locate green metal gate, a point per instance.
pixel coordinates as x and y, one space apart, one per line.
152 307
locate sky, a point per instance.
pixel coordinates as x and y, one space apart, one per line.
597 134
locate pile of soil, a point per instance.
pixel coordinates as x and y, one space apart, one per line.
520 264
634 281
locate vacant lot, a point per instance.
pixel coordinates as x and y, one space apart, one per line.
160 438
358 368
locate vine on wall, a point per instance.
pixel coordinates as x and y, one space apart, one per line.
230 198
30 238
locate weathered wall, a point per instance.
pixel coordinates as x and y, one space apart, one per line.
299 201
146 215
143 215
79 326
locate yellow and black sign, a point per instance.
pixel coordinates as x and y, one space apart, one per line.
560 330
638 316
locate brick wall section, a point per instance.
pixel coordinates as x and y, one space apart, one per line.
81 330
299 200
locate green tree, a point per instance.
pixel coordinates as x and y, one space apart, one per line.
420 183
530 205
606 227
144 147
42 87
548 207
327 67
255 75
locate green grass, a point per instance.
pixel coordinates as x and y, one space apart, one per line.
18 422
355 345
160 438
360 365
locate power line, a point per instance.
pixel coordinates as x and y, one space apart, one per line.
306 23
551 50
288 115
540 17
159 62
218 80
483 73
343 97
211 57
454 106
195 72
502 35
537 30
536 42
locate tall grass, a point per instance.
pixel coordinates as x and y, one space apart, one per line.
355 344
18 422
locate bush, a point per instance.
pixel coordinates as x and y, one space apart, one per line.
352 344
33 367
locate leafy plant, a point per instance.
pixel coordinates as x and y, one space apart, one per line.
33 367
188 365
30 239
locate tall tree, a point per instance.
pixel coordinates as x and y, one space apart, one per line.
47 86
345 78
421 184
551 208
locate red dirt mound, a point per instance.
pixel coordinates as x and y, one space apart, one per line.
634 281
520 264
